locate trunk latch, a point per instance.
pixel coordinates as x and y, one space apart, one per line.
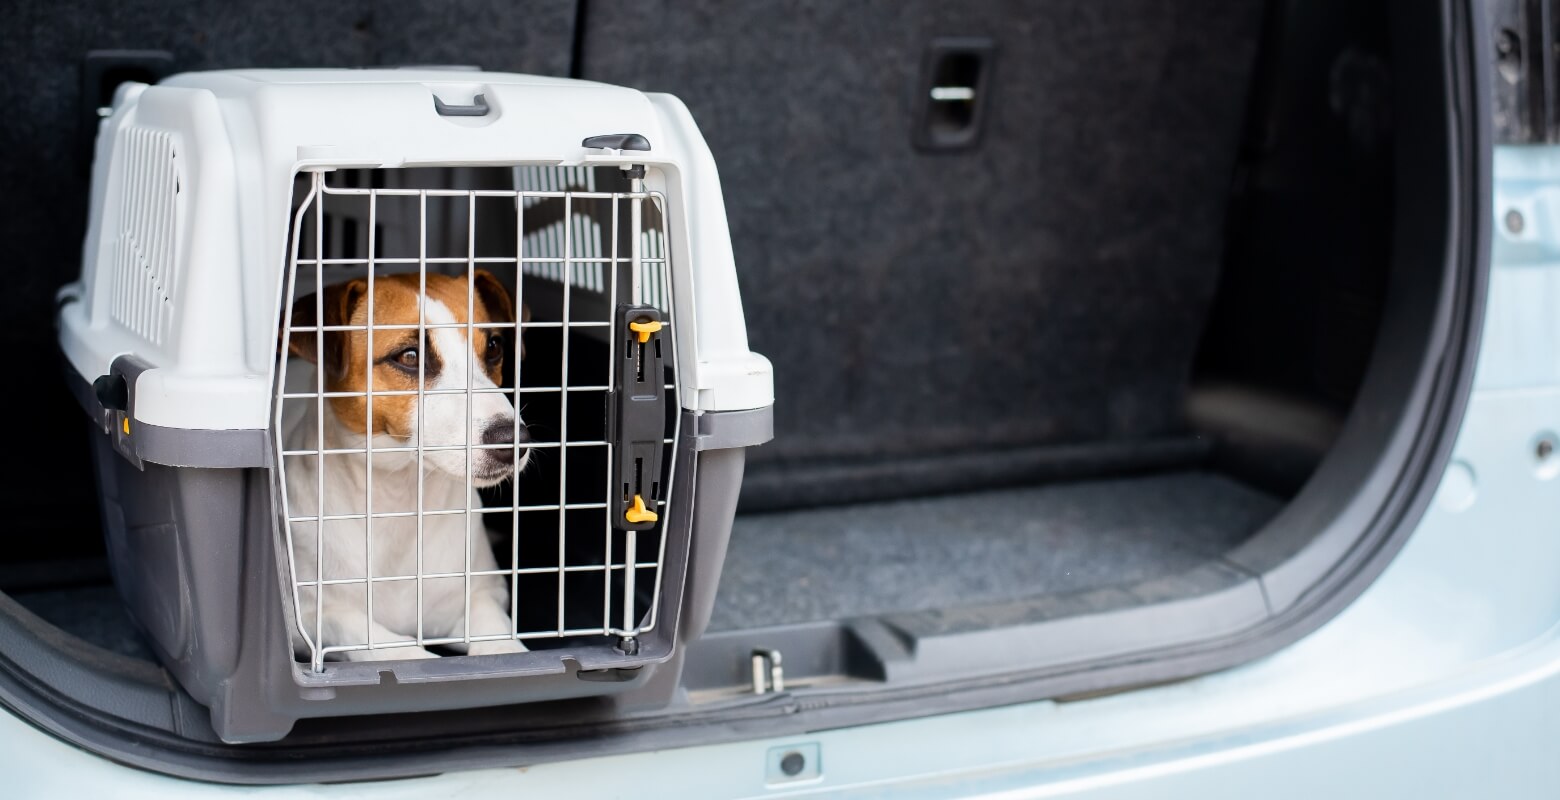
768 675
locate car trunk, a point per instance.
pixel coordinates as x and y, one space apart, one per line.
1120 362
1069 369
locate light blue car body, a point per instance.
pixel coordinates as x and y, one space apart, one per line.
1441 680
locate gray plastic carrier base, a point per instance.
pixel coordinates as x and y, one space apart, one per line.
193 553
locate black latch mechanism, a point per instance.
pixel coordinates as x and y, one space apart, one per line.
617 141
639 420
953 94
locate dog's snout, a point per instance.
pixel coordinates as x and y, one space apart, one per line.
504 433
498 461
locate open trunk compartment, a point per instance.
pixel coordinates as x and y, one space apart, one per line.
1140 364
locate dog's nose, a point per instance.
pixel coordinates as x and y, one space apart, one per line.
504 433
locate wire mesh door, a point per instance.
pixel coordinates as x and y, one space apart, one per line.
452 407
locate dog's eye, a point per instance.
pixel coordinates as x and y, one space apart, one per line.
495 350
407 358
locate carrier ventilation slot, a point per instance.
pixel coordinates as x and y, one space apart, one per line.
146 233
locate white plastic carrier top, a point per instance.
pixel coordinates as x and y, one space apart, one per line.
187 240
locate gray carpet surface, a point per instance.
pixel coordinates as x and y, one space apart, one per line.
1045 288
93 613
986 547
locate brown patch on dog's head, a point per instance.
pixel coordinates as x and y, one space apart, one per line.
397 356
337 304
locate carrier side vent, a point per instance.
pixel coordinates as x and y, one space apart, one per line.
146 233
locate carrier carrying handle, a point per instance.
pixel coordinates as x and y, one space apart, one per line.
478 108
638 417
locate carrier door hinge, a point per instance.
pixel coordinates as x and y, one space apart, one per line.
639 417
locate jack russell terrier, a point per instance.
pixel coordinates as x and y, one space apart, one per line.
393 479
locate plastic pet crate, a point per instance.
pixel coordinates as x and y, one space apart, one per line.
415 388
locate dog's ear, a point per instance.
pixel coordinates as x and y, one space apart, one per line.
339 302
495 298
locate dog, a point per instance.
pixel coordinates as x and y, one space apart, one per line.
397 359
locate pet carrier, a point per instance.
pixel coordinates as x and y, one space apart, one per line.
416 389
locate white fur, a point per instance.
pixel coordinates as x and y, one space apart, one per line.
344 618
445 413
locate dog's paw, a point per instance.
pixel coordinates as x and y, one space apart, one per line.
495 647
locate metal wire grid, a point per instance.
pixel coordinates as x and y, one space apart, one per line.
645 269
584 233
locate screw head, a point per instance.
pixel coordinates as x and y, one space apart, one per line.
793 763
1505 43
1546 455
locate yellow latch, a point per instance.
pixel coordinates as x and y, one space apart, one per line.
644 329
639 513
126 426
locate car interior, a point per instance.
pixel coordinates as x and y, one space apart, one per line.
1107 341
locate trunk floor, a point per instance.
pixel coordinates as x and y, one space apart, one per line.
907 555
969 549
93 613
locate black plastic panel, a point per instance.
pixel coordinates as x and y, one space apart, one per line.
1525 82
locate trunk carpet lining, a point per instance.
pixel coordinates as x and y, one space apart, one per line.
960 550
